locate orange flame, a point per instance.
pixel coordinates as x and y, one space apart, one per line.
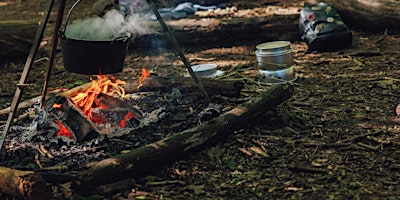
57 105
63 131
145 74
104 84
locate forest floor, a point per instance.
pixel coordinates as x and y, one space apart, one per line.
336 138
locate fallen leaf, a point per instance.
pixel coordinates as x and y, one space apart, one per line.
316 164
398 109
245 151
259 151
197 189
291 188
385 83
358 62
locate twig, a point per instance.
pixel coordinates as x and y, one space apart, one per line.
59 168
368 146
359 137
307 169
167 182
44 152
37 161
367 53
385 34
328 145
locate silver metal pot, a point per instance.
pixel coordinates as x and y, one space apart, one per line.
274 55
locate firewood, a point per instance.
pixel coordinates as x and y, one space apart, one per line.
144 160
23 184
68 94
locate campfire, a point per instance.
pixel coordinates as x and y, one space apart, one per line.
98 109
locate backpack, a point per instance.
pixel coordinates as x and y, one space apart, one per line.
323 29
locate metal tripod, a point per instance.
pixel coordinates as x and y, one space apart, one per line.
30 61
38 38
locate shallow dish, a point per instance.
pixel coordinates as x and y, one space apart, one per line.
206 70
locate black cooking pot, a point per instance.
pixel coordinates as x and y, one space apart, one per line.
93 57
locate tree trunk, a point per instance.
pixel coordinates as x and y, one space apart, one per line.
192 33
367 14
16 38
144 160
23 184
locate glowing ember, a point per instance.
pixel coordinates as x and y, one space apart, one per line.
57 105
63 131
104 84
145 74
127 117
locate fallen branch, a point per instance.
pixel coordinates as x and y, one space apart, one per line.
27 103
144 160
23 184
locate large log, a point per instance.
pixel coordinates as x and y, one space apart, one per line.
23 184
16 37
144 160
367 14
192 33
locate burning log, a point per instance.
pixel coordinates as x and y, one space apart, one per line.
142 161
23 184
164 84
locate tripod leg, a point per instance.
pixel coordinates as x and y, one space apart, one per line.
25 72
60 15
178 49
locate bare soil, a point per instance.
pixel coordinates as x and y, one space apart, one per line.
336 138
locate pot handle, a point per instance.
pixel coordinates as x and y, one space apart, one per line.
62 29
123 38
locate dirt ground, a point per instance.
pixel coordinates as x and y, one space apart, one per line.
336 138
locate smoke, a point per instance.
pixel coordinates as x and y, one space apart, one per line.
112 25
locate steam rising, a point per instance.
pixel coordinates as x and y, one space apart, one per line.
112 25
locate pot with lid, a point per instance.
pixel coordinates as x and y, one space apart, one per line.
274 55
86 56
